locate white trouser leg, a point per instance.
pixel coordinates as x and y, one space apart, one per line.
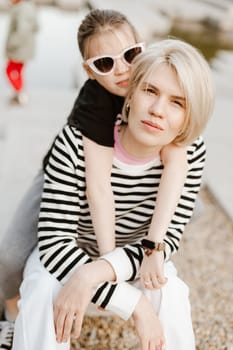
35 331
39 289
173 307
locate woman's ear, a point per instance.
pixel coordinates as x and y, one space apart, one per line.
88 71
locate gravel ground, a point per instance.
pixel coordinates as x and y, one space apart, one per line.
205 263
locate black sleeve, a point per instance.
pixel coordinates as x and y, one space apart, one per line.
94 113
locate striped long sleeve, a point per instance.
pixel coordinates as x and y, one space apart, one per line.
196 155
65 232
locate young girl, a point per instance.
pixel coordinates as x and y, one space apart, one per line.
107 64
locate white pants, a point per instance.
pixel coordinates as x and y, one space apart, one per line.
34 327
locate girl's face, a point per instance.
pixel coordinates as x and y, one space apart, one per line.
157 113
112 43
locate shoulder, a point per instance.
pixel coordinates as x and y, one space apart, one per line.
96 93
197 144
70 142
197 150
70 134
94 102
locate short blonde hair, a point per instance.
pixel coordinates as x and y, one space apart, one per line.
195 78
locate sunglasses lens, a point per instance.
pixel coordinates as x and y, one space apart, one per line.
104 64
130 54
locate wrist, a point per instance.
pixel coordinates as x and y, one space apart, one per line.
97 272
156 235
153 238
140 307
150 246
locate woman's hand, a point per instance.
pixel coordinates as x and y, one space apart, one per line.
152 271
76 294
148 326
71 304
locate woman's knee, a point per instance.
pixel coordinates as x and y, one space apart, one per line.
37 280
39 286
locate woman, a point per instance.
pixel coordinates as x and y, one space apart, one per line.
170 99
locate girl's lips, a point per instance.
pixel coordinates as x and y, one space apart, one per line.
123 83
152 125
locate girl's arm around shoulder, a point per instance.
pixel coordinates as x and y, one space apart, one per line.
174 159
126 261
196 154
182 155
175 155
98 163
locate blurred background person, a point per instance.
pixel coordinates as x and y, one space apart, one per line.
20 45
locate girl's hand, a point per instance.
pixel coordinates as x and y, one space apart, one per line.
71 304
152 271
148 326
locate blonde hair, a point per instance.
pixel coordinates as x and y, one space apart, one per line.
194 75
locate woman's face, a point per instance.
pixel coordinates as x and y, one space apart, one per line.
112 43
157 112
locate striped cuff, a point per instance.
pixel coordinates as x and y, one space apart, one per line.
120 263
124 300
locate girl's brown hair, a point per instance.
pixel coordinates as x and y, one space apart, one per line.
98 21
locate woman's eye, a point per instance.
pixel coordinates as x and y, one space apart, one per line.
179 103
149 90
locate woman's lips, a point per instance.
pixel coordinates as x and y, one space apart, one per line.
152 125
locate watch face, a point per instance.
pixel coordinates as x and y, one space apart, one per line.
148 244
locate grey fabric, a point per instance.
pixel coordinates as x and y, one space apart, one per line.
20 239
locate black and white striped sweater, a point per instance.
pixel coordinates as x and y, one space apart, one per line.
66 236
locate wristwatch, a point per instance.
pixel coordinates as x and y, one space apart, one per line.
150 246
